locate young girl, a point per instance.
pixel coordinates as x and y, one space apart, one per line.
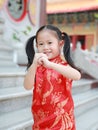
51 76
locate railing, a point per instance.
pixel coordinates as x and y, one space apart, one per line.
86 61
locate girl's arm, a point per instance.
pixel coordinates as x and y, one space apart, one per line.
29 79
66 71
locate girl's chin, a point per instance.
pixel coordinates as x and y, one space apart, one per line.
50 58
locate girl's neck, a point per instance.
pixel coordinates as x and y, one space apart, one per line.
55 58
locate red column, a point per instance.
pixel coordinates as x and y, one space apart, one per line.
74 41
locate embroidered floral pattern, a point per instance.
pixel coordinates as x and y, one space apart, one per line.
52 106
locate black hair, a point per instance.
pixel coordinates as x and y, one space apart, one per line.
30 50
61 36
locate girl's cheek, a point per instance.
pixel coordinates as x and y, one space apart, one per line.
40 50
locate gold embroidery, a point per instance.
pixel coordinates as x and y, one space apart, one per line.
49 91
64 117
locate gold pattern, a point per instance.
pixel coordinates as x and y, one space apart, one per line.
54 105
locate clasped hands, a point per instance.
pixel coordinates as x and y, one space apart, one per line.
41 59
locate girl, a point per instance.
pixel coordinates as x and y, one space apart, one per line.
51 76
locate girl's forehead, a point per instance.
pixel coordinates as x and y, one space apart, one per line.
48 31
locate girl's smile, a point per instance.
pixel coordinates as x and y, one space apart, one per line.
48 43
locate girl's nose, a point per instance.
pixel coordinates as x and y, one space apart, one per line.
45 46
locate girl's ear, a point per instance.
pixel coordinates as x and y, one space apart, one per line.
61 43
61 46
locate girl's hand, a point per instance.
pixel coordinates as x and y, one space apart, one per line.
37 58
44 61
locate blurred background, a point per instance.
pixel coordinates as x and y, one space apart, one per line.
20 19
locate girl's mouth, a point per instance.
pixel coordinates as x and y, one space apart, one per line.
47 53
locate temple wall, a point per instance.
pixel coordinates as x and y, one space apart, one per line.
20 21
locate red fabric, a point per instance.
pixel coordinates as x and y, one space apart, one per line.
52 106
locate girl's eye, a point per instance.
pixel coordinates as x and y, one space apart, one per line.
49 42
40 44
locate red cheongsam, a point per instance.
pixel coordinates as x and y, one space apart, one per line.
52 105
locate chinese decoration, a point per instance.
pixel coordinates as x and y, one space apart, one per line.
16 9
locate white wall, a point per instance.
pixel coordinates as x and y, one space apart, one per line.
12 27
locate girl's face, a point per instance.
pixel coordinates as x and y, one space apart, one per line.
48 43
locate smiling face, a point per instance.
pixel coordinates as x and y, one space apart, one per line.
48 43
